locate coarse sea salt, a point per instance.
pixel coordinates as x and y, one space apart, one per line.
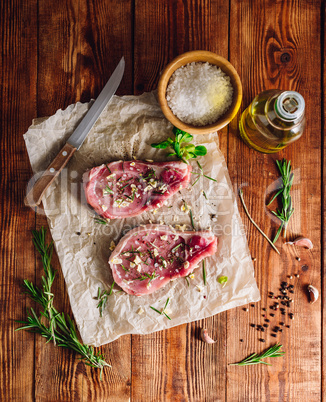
199 93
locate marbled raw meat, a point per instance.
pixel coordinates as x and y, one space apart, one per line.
121 189
150 256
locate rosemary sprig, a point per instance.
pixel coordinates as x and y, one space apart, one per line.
103 298
204 272
254 223
163 311
287 210
273 351
59 327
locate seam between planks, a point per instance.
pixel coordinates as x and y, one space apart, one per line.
322 83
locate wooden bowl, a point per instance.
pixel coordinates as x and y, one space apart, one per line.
200 56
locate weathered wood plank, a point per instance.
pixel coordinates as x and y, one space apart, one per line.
278 42
80 44
18 60
175 364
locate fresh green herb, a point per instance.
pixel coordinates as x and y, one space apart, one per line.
176 247
59 328
192 220
222 280
108 168
126 185
201 174
108 190
205 194
147 276
287 210
102 297
100 220
273 351
254 223
124 268
164 309
182 152
204 272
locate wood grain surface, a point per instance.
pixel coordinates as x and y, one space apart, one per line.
57 53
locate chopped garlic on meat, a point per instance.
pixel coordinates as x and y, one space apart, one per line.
164 237
138 268
137 260
132 265
132 164
161 278
140 311
104 208
116 260
176 237
148 285
110 176
192 276
112 245
186 265
127 254
155 252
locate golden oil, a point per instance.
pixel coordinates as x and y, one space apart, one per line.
273 120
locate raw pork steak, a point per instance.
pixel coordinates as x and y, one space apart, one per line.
148 257
121 189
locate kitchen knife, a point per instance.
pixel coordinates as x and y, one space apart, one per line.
35 194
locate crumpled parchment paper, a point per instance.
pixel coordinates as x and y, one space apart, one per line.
125 130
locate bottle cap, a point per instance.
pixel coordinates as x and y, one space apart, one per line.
289 105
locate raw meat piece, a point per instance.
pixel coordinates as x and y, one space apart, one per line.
121 189
148 257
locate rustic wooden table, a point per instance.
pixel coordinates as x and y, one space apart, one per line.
55 53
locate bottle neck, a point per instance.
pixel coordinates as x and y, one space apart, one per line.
289 105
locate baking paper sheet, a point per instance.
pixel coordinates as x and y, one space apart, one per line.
125 130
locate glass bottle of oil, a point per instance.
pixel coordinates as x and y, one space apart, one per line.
273 120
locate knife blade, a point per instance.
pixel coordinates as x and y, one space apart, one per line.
35 194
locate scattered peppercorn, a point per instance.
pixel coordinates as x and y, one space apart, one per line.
297 276
267 320
241 340
245 309
78 233
252 305
274 335
272 315
253 325
262 340
298 258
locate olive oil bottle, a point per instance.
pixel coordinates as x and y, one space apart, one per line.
273 120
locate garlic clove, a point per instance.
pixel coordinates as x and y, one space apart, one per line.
205 337
313 293
301 242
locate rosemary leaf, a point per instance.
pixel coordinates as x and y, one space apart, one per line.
204 272
192 220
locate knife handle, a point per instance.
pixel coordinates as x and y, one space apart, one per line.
35 194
